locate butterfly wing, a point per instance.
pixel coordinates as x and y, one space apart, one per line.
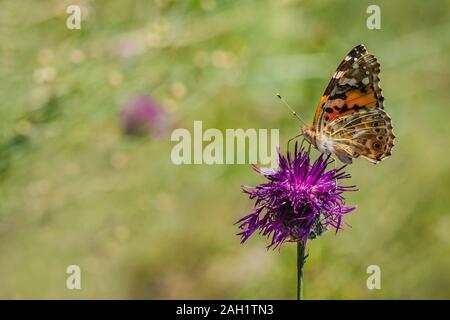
350 115
366 133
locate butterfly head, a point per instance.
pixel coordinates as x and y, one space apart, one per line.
309 134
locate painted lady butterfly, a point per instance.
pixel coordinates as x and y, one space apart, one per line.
350 121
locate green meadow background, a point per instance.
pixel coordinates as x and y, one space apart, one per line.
75 190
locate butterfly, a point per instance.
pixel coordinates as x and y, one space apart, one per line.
350 121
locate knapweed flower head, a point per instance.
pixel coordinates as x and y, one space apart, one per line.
142 115
300 201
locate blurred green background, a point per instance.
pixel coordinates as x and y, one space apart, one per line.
75 190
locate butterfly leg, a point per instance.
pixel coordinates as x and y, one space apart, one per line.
334 162
303 142
335 167
289 141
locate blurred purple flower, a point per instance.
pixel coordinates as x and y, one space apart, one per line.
141 115
300 200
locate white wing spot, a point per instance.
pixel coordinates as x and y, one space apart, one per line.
352 82
338 74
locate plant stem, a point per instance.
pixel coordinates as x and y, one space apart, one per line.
300 265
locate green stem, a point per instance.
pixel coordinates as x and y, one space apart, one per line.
300 265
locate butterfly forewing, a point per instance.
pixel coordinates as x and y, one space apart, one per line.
350 121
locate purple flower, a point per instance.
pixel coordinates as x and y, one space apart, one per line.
300 201
141 115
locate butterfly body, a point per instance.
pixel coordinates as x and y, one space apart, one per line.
319 142
350 121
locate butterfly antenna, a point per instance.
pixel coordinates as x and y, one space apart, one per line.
290 109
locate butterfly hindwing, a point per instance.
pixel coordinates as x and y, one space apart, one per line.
366 133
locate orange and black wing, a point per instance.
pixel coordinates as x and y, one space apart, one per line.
354 86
